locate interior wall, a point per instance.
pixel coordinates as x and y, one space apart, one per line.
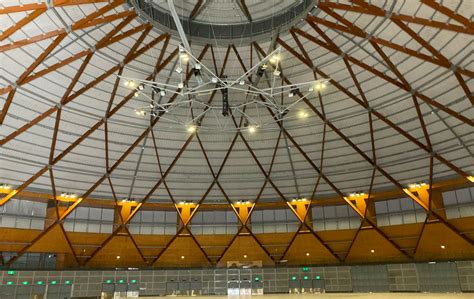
421 277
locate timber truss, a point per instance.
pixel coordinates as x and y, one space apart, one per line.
333 20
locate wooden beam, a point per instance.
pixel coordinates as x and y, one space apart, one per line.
42 5
402 17
18 25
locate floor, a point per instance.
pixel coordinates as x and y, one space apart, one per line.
343 296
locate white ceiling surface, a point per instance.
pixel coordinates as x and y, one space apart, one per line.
241 178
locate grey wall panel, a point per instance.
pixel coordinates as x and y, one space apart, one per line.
403 278
438 277
410 277
466 275
370 278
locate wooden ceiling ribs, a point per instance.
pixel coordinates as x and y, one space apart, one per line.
402 17
70 98
343 25
74 144
375 112
430 48
26 73
130 149
18 25
79 23
382 171
196 9
331 47
53 33
79 140
43 5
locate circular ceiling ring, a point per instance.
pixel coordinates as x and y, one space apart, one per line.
203 32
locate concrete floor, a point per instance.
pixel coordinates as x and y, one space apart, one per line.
343 296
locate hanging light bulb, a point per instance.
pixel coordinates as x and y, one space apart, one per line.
191 128
184 57
303 114
274 59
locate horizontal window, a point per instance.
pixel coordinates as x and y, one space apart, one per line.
274 221
22 214
91 220
459 203
399 211
154 223
334 218
214 222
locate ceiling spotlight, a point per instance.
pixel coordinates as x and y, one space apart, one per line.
214 80
245 256
179 70
371 250
276 73
140 112
197 66
191 128
252 129
5 187
180 85
184 57
118 257
274 59
320 86
303 114
136 94
242 82
182 257
132 84
307 253
163 93
126 83
264 66
141 87
443 247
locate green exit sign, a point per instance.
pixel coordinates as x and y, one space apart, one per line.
9 283
25 283
11 272
108 281
257 278
305 277
67 282
121 281
293 277
318 277
39 282
133 281
54 282
305 269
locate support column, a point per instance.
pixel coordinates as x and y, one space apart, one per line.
364 207
301 208
435 203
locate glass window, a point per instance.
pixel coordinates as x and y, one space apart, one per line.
22 214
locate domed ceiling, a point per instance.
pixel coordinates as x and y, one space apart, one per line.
397 108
